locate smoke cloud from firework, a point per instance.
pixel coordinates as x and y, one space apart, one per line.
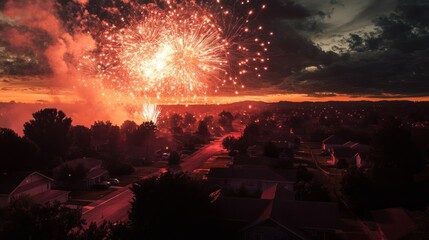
173 52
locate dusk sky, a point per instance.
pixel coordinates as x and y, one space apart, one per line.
321 50
327 48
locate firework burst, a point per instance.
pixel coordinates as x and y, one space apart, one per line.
150 113
180 50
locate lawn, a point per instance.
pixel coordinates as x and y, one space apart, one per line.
217 162
159 164
90 194
136 176
78 202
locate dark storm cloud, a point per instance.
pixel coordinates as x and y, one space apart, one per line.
292 49
372 10
279 9
381 73
390 60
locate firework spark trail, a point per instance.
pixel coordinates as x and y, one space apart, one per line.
150 113
179 50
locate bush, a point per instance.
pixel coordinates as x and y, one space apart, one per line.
119 168
174 158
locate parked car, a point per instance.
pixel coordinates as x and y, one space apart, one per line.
113 181
102 185
202 170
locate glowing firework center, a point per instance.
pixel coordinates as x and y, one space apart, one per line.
177 50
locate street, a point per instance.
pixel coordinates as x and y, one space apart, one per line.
115 206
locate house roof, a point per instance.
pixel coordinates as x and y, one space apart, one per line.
256 173
265 217
9 181
361 148
344 152
334 139
349 144
395 223
289 214
278 191
96 173
306 214
241 209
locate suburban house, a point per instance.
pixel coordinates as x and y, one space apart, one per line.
277 215
32 184
95 172
393 223
362 154
343 153
253 178
331 142
355 154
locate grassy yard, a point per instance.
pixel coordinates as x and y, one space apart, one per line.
91 194
304 154
78 202
217 162
136 176
159 164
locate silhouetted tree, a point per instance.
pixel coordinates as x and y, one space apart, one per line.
358 191
127 128
96 232
23 220
241 145
342 163
108 231
144 136
209 120
394 155
50 130
271 150
302 174
251 132
176 121
72 177
189 120
294 122
174 158
16 153
106 133
144 133
225 120
116 168
174 206
81 141
313 190
203 129
229 142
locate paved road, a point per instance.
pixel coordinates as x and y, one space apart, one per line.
115 206
198 159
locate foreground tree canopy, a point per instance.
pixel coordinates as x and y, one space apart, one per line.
24 220
174 206
50 130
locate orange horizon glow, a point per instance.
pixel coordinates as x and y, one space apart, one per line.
36 90
67 97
